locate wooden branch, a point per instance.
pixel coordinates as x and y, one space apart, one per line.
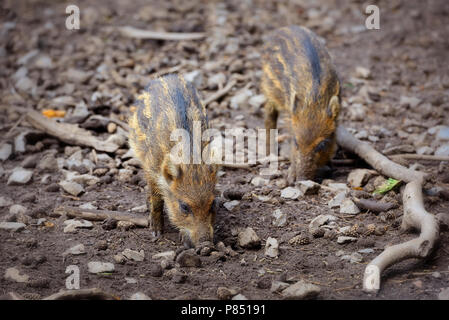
373 205
99 215
378 161
135 33
415 216
69 133
220 93
82 294
412 156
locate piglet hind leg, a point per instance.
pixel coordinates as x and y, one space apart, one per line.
155 205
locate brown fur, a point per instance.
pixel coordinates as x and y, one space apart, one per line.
299 79
169 103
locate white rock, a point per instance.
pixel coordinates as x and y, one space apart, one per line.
88 206
308 187
257 101
142 208
353 258
72 187
240 98
320 220
12 226
444 294
17 209
5 151
348 207
424 150
134 255
336 201
442 133
20 143
357 112
413 102
362 72
301 290
139 296
248 238
14 275
291 193
131 280
195 77
71 225
43 61
278 286
100 267
344 239
280 219
20 176
217 80
366 250
239 297
337 186
259 181
271 248
167 255
358 177
5 202
230 205
75 250
442 150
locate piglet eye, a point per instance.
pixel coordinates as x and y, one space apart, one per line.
184 207
322 145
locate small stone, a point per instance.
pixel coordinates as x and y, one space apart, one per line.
139 296
156 271
291 193
358 177
119 258
72 225
224 293
348 207
344 239
101 245
15 275
239 297
412 102
279 218
5 202
442 133
271 248
134 255
17 209
217 80
48 162
442 150
278 286
12 226
78 76
5 151
20 176
112 127
444 294
366 250
259 181
357 112
301 290
257 101
336 201
308 187
72 188
436 274
188 259
130 280
167 255
75 250
362 72
195 77
319 221
100 267
230 205
240 98
337 186
248 239
54 187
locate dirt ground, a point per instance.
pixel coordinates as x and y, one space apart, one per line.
402 101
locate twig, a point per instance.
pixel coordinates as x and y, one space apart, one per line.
412 156
122 124
98 215
132 32
82 294
378 161
373 205
220 93
415 216
68 133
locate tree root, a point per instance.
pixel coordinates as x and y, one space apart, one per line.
82 294
415 215
98 215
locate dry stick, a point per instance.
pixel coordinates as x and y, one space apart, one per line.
132 32
373 205
415 216
376 159
412 156
68 133
217 95
98 215
80 294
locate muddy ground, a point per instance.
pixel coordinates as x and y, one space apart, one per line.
401 99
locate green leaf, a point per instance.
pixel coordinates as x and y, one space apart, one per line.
387 186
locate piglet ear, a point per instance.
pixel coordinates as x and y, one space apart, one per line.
170 170
334 107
